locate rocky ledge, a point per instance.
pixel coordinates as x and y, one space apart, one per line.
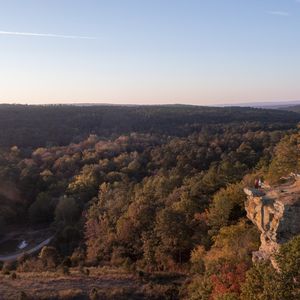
276 213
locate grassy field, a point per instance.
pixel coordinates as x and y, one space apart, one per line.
100 283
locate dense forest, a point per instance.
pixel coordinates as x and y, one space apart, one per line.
35 126
295 108
150 189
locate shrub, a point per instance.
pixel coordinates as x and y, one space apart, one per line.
31 264
7 267
70 294
13 275
23 296
93 295
23 258
65 270
67 262
49 256
77 257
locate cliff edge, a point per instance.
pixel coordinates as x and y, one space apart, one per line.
276 213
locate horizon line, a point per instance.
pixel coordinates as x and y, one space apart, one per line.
263 103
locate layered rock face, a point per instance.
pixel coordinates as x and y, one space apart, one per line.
276 213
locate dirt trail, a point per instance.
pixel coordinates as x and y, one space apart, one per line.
15 256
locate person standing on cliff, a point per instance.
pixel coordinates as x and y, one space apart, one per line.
259 183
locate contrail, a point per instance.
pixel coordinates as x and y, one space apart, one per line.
51 35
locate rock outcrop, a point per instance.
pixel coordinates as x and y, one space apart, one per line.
276 213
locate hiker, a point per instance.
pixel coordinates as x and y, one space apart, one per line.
256 183
259 183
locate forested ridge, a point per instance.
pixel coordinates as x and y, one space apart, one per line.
55 125
149 189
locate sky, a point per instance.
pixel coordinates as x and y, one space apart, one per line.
202 52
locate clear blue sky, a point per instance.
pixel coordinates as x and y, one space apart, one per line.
149 51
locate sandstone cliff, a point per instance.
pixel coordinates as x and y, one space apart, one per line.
276 213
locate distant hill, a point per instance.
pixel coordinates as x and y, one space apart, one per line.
295 108
266 104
